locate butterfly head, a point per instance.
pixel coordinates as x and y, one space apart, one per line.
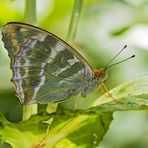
101 74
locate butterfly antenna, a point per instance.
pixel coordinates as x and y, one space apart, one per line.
115 56
121 61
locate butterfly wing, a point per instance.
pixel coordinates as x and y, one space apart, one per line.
45 68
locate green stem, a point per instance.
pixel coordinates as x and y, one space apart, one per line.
30 17
29 110
74 20
30 11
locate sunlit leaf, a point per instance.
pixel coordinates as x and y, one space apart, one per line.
133 95
80 130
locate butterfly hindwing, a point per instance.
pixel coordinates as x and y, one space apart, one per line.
45 68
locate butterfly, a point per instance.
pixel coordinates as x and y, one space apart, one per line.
45 68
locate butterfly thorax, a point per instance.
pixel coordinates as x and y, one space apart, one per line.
101 74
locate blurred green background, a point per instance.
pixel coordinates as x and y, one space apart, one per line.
105 27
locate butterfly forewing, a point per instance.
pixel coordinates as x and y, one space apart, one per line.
45 68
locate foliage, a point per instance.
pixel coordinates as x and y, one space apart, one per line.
65 130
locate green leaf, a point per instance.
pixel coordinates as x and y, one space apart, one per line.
133 95
79 130
90 133
24 134
66 130
121 31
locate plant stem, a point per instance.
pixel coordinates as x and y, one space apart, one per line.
29 110
74 20
30 17
30 11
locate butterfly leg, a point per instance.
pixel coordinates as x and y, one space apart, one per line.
103 90
108 94
77 101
